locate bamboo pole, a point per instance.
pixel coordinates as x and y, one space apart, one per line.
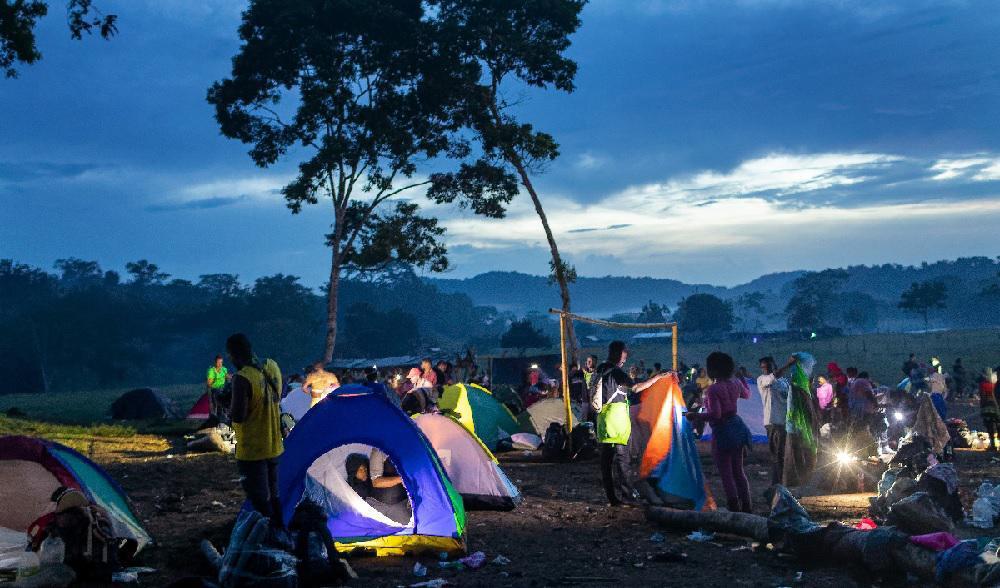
565 381
673 344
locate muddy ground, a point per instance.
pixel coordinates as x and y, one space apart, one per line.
562 534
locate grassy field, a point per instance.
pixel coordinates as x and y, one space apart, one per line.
881 354
87 407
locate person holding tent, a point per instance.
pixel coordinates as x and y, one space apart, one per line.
257 425
730 435
215 382
610 401
801 423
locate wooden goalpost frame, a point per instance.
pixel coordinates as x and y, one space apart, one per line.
564 316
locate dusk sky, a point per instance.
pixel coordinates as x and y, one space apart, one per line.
708 141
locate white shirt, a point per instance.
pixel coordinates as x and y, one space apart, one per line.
938 383
774 412
296 403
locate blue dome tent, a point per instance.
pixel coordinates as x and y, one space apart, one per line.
353 419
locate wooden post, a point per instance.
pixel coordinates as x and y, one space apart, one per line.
673 344
565 381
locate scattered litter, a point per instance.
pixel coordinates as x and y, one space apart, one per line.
866 524
500 561
657 538
443 556
170 456
639 564
217 503
129 575
935 541
701 537
451 565
740 548
475 560
435 583
799 576
419 570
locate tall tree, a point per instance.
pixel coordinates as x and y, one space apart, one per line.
359 89
521 335
17 28
704 314
922 297
145 273
815 292
501 43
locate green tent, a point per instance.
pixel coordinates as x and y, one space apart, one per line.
479 412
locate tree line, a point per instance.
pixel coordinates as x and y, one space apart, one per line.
83 327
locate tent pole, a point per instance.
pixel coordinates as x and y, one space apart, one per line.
565 381
673 343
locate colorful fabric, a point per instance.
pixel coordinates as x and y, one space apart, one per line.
801 419
935 541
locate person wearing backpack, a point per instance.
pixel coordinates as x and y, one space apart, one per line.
257 425
614 424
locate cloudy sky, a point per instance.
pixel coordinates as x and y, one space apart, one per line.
711 140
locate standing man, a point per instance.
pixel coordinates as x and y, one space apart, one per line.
257 424
215 382
320 382
909 365
614 424
775 400
958 379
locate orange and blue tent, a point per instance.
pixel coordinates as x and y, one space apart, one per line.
670 461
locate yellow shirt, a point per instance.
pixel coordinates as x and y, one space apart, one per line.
259 436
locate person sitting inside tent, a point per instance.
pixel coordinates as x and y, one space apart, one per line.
730 435
389 497
320 382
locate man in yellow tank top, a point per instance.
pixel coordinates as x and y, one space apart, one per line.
256 422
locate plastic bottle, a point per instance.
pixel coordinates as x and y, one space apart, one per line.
52 551
28 566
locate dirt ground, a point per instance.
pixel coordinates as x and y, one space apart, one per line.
564 533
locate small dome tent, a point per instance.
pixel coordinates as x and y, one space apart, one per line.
353 420
201 410
143 403
670 461
470 466
39 468
480 413
551 410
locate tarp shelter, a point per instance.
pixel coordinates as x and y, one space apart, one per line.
510 371
143 403
670 459
32 469
353 419
551 410
480 413
751 410
472 469
201 409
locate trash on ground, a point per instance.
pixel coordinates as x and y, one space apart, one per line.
419 570
701 537
657 538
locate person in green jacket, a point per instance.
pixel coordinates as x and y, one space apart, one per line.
215 382
614 424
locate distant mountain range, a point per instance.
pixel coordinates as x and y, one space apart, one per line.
878 288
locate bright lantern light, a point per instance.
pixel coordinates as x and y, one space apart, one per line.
898 415
844 458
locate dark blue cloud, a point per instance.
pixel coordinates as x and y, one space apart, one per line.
102 141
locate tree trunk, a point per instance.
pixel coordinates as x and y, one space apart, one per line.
333 293
557 262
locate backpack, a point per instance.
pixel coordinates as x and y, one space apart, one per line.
584 439
554 442
88 534
250 559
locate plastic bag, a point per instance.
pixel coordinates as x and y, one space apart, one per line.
250 561
787 514
983 513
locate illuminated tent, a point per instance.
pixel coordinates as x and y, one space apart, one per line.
470 466
551 410
354 419
479 412
32 469
670 461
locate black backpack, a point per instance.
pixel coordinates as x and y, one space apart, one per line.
585 444
554 442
